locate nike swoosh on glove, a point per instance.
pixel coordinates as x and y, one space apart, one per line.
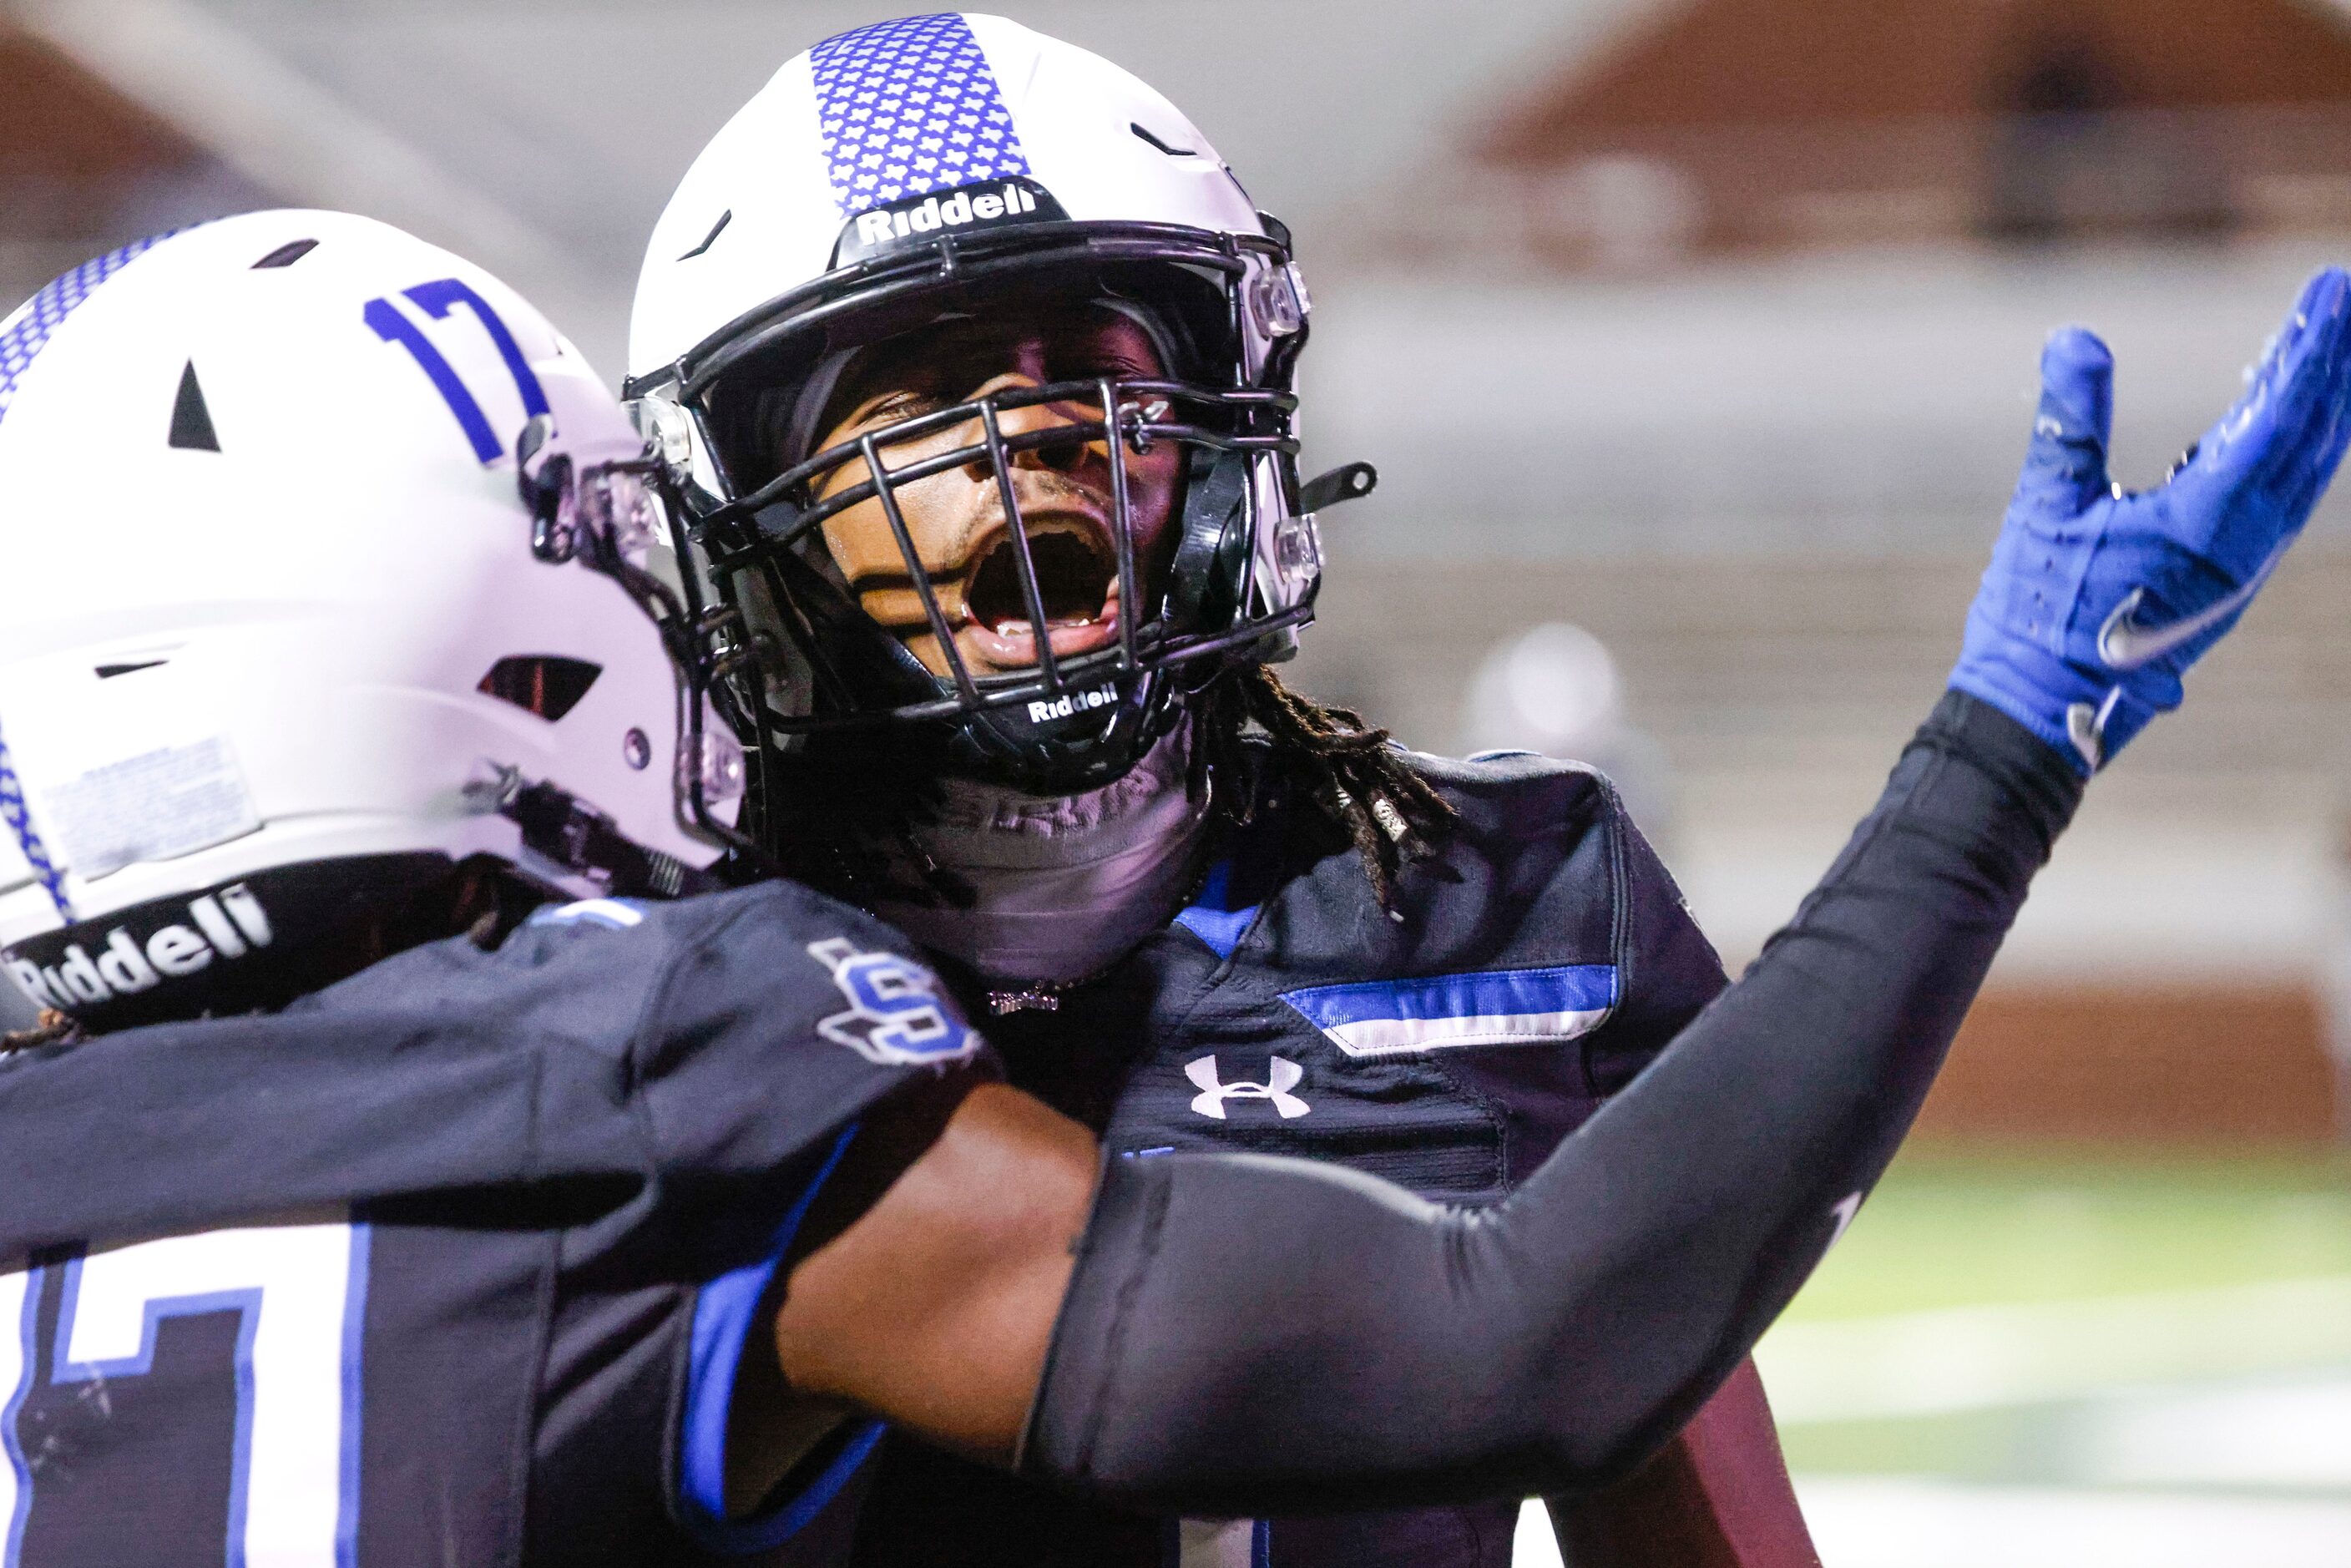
2097 600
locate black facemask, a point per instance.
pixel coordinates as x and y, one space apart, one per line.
1241 572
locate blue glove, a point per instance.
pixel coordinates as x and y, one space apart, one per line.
2096 600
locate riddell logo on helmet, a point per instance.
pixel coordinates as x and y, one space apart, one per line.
903 225
1075 702
879 227
228 924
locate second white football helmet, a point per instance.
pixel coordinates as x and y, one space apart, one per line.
286 635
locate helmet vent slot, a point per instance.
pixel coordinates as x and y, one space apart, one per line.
1136 126
1171 151
287 254
712 237
545 683
192 421
128 667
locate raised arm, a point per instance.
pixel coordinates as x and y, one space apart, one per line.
1551 1342
1354 1346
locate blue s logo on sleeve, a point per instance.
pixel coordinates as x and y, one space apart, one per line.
896 1014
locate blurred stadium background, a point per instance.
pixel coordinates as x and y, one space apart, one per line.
1694 340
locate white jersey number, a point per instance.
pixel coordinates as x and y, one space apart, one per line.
298 1292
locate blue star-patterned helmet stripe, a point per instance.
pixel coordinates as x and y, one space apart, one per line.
910 107
28 839
26 334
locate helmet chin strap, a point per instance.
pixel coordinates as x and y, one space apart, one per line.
573 834
1065 885
1215 530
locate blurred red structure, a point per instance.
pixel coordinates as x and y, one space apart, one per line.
84 167
2176 1065
1739 124
74 151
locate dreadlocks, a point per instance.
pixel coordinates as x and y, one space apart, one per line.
54 1027
1329 759
839 816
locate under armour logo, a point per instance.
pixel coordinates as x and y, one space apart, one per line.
1282 1076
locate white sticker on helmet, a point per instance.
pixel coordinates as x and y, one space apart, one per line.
156 806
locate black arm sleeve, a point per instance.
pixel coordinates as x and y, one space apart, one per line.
1245 1335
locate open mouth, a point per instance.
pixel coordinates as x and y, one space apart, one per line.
1077 578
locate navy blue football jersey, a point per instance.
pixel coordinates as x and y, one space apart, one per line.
1540 961
453 1262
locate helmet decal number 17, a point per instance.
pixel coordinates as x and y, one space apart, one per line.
436 299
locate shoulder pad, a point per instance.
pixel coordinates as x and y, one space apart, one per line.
1514 794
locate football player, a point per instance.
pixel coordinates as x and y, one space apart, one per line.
422 1158
979 368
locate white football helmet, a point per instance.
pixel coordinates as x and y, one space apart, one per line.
289 633
907 173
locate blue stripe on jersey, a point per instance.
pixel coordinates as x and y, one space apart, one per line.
723 1312
1208 918
355 1294
1502 1007
909 106
12 1449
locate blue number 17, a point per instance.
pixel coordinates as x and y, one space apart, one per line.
438 299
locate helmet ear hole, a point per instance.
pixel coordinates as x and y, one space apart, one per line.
545 683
